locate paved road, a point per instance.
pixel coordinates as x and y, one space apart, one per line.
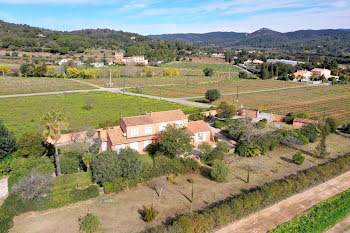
288 209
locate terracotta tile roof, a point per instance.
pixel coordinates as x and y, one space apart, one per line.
303 120
137 120
301 72
116 137
196 127
166 116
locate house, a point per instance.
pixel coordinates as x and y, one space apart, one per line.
137 132
137 60
64 60
253 62
319 72
97 64
218 55
300 122
303 75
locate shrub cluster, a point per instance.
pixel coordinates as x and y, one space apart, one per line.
320 217
162 165
90 223
298 158
148 214
242 205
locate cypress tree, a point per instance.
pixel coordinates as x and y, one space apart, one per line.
7 142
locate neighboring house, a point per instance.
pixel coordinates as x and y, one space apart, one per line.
253 62
218 55
97 64
300 122
319 72
138 132
65 60
137 60
303 75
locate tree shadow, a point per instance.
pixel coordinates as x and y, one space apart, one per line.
288 160
189 199
240 178
205 171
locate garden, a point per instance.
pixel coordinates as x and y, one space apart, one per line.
136 200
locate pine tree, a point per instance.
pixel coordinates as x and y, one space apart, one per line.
7 142
321 149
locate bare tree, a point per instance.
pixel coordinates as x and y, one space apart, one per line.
33 185
158 185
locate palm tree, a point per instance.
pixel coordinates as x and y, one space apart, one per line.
53 122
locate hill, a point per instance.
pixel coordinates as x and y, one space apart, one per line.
330 39
19 37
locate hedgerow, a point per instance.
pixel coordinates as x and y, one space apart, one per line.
242 205
320 217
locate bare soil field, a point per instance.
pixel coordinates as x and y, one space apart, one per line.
22 85
209 60
122 214
332 100
225 87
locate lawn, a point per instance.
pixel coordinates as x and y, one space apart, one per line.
332 100
122 214
21 85
133 82
225 87
23 114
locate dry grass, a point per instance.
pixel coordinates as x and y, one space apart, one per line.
225 87
21 85
334 100
122 215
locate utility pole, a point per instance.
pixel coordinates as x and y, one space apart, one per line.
229 73
324 114
237 99
160 93
110 78
124 85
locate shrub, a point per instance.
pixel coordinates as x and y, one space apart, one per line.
33 185
212 95
310 131
253 150
289 118
298 158
205 148
215 155
216 139
31 144
226 110
262 124
333 124
219 124
90 223
148 214
196 117
130 163
223 146
105 166
85 194
219 171
208 71
70 163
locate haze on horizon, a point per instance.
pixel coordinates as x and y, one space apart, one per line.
178 16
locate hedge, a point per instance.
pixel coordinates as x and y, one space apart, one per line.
320 217
161 166
236 207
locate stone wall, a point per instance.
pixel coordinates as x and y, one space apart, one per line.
3 187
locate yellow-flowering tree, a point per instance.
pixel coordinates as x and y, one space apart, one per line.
5 70
167 72
115 73
73 72
175 72
87 74
51 71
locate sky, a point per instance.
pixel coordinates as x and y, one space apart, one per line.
178 16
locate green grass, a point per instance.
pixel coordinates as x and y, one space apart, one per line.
320 217
22 85
146 158
23 114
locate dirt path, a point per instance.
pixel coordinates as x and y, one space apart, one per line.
290 208
90 84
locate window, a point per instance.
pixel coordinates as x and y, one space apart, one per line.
119 147
179 124
134 145
200 137
148 130
104 146
162 126
146 143
134 132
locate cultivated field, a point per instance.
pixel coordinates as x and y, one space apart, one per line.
201 66
122 214
333 100
225 87
23 114
154 81
21 85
